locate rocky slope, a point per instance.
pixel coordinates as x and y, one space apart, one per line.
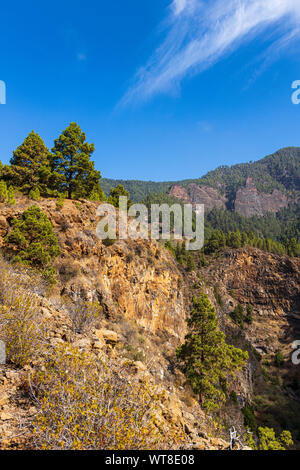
145 297
271 285
141 292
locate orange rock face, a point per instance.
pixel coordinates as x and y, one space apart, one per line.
249 202
194 194
136 279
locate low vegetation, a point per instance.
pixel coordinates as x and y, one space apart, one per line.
85 404
21 327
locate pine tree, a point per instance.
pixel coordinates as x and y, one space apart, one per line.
238 315
73 169
190 263
206 358
97 195
30 167
249 314
32 238
115 193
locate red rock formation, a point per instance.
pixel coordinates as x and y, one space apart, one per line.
250 202
195 194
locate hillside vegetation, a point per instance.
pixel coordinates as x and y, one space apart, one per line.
280 170
138 344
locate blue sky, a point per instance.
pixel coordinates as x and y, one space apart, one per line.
166 89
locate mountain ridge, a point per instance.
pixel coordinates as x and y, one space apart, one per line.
277 175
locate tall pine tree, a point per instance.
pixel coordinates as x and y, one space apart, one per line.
30 167
205 357
73 170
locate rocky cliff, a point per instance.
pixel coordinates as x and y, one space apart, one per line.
142 295
194 194
271 285
248 201
144 298
137 280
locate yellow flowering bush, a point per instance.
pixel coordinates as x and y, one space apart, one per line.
85 404
83 315
21 328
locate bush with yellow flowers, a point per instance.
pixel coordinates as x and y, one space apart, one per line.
21 328
86 404
83 315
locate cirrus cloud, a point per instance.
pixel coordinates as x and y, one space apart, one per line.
199 33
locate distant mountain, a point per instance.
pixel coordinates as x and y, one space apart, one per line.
250 189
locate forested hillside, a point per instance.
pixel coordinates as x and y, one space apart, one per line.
280 170
254 204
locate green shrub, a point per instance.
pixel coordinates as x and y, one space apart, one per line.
133 354
249 417
190 263
49 275
97 195
11 195
32 239
233 397
279 359
3 192
60 202
238 316
35 194
218 296
108 242
249 314
269 441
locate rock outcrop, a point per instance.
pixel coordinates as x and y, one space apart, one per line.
136 280
247 201
250 202
194 194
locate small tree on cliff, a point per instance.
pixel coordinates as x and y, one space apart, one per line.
30 167
205 357
32 239
72 164
115 193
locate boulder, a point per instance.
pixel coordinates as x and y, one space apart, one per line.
6 416
83 343
99 344
3 398
110 337
3 226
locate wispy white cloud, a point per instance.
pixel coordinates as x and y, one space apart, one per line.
201 32
179 5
